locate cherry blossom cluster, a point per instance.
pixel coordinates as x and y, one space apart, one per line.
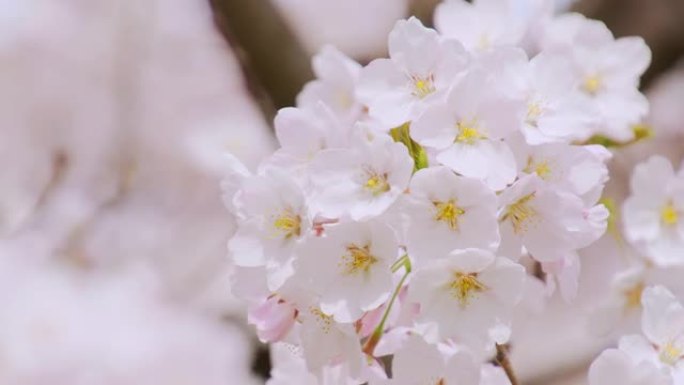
654 212
651 289
654 357
413 200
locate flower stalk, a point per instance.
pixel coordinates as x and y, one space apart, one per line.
505 363
374 339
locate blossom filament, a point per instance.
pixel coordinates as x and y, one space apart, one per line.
468 132
449 213
520 213
289 224
464 286
358 260
423 86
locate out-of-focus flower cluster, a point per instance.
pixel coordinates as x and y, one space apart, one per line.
651 287
654 358
416 203
114 116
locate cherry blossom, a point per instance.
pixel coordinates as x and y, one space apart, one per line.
335 86
467 294
606 70
652 213
468 130
448 212
362 181
420 69
547 222
413 198
349 268
418 362
616 367
479 25
657 356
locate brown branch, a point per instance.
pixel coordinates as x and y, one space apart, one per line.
424 10
538 271
269 52
505 363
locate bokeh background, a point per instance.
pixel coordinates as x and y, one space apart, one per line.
114 115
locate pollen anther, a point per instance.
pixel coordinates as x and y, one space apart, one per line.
377 184
423 86
592 84
449 213
468 132
358 259
520 214
669 214
464 286
288 223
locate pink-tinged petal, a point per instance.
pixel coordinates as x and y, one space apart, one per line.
273 319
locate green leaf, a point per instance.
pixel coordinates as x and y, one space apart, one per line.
401 134
641 132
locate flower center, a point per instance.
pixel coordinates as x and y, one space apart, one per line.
377 184
464 286
520 213
449 213
534 111
289 224
670 354
468 132
592 84
358 259
423 86
323 320
669 214
633 296
542 169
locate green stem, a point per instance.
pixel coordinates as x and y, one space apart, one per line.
372 342
403 261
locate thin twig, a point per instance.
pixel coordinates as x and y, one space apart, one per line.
505 363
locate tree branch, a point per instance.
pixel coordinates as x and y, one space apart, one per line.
505 363
268 50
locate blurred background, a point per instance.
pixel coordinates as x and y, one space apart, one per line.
114 117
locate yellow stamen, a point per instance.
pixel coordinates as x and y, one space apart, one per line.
592 84
520 213
464 286
449 213
642 131
288 224
323 320
468 132
633 296
377 184
423 87
670 354
669 215
542 168
358 260
534 111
